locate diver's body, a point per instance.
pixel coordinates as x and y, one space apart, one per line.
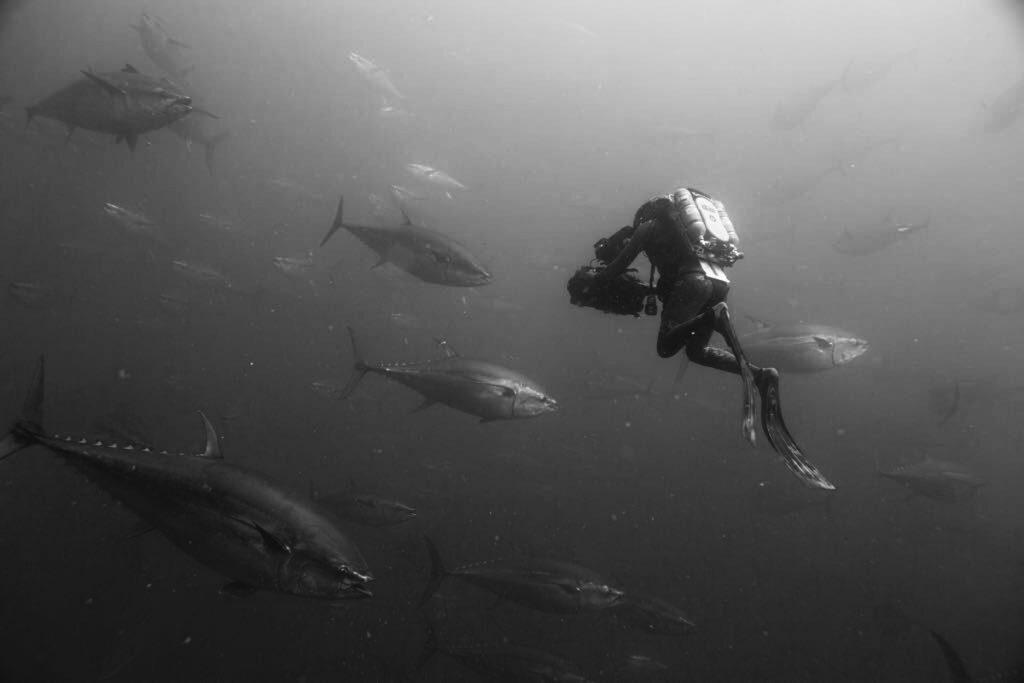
693 287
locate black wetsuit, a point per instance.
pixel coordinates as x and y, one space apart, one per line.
686 293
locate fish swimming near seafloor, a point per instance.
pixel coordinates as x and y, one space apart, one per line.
544 585
428 255
123 103
228 517
486 390
875 239
161 48
803 347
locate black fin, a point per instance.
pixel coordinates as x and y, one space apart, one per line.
129 69
781 440
178 43
131 139
437 572
337 222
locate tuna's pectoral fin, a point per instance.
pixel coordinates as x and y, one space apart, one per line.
131 139
273 544
105 84
237 589
178 43
823 342
129 69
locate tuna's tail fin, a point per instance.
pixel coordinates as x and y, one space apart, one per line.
437 572
211 146
338 222
359 369
31 419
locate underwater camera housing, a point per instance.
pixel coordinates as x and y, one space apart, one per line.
607 248
624 295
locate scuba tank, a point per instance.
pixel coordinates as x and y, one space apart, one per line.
707 226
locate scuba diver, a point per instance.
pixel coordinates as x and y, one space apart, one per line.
688 237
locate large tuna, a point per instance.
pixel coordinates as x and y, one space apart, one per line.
124 104
228 517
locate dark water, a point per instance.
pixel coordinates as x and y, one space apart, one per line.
560 119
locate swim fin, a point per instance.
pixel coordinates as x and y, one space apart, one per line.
778 436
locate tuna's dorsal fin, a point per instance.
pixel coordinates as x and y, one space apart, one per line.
104 83
212 442
129 69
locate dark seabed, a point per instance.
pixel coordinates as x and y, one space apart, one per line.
187 275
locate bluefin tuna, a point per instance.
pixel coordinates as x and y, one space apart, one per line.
426 254
875 239
135 222
544 585
939 480
230 518
124 104
436 177
197 129
368 510
486 390
376 76
163 50
803 347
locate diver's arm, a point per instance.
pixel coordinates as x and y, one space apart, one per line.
628 255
